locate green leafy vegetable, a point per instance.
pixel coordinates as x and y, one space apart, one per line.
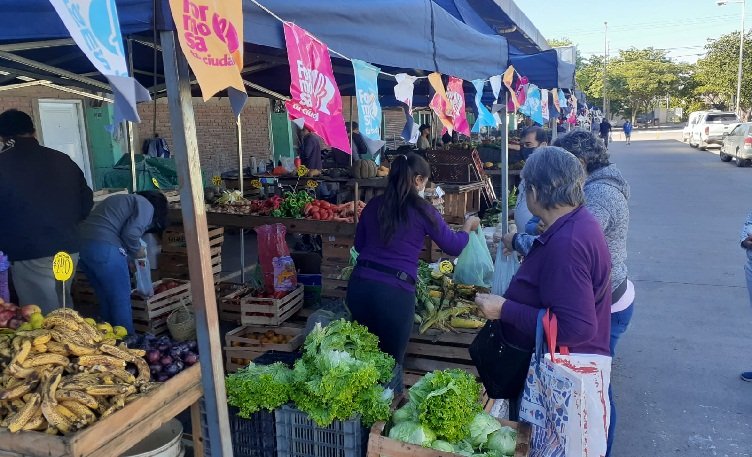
503 440
452 401
413 433
405 414
443 446
257 387
483 425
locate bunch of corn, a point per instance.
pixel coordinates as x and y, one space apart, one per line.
445 305
67 375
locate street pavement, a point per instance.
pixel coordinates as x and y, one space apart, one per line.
676 372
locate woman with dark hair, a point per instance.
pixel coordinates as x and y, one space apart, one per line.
390 235
109 237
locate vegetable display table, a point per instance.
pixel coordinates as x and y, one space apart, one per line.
117 433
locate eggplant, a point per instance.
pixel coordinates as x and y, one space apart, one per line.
163 348
190 358
162 377
153 356
166 360
175 353
193 345
179 363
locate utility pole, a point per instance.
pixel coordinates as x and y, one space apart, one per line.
605 67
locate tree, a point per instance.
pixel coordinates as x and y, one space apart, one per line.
716 73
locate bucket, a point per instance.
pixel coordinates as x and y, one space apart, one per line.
164 442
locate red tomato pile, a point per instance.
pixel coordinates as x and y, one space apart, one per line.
320 210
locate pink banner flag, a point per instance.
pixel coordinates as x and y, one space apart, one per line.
314 92
456 95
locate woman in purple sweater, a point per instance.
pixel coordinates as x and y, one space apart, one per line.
568 268
390 235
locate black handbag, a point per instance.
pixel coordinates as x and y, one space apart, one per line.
502 367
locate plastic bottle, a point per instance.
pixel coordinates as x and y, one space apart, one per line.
4 287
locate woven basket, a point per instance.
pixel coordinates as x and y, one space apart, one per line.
182 324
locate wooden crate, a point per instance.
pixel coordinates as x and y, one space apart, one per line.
229 308
382 446
117 433
242 347
173 239
335 256
175 264
82 291
436 350
461 201
150 314
264 311
431 252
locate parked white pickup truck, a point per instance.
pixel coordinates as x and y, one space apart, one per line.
711 127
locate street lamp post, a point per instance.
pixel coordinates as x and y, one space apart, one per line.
741 52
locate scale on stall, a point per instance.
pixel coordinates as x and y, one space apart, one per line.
269 185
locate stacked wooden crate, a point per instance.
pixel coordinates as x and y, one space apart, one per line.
173 260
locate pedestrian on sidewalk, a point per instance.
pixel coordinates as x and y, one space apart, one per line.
628 131
605 130
746 243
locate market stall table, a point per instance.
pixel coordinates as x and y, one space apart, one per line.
119 432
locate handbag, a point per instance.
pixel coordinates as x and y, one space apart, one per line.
502 367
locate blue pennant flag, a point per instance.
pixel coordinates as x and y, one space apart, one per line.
485 118
369 108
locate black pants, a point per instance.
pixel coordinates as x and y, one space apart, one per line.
387 311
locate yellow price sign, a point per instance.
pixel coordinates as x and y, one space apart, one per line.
446 267
311 184
217 181
302 171
155 182
62 266
256 184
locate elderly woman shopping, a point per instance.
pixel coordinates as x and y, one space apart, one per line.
568 268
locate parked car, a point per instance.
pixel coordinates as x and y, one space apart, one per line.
694 117
710 128
738 145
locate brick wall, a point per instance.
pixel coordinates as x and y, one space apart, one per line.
215 125
216 131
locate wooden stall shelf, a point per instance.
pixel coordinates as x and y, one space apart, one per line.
461 201
229 308
117 433
242 346
263 311
150 314
436 350
382 446
173 239
335 256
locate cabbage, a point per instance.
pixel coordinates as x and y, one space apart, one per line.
483 424
413 433
405 414
503 440
464 448
442 446
491 454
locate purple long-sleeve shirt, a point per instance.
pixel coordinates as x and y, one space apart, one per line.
403 250
568 270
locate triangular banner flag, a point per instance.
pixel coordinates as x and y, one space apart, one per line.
313 90
485 118
440 103
94 26
508 77
544 105
456 95
369 108
211 37
403 92
496 86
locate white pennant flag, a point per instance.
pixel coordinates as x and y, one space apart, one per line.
496 86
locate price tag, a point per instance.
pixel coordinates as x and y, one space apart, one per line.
62 266
155 182
446 267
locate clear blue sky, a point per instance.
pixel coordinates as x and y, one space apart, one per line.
680 26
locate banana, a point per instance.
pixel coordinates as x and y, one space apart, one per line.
45 359
76 396
80 350
109 391
22 352
144 374
20 372
123 375
43 338
66 413
83 414
51 430
117 403
24 414
117 352
106 360
40 348
54 418
37 421
54 347
53 321
19 390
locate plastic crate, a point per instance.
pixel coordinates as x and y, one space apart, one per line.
254 437
270 357
299 436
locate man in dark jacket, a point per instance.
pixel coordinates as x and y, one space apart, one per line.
310 150
605 130
43 197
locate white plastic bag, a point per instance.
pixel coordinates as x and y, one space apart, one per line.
144 286
505 268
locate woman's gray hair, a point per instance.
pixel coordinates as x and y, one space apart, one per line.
586 147
557 177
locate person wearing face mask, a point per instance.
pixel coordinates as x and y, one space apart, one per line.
43 197
389 237
531 139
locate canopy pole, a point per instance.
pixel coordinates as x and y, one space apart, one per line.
185 144
129 128
238 126
505 167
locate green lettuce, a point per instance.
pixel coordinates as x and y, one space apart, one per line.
447 403
482 426
257 387
503 440
413 433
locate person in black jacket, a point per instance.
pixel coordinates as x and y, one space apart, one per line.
43 197
310 150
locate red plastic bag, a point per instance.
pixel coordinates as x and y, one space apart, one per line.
272 243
